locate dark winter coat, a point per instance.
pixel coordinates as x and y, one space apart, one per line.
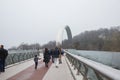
3 54
56 53
46 57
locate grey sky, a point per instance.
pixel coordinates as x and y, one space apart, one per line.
38 21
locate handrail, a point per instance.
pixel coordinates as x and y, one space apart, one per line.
20 56
102 72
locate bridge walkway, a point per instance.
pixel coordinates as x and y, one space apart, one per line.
25 71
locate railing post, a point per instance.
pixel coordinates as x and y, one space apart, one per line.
79 66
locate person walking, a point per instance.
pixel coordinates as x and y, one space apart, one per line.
52 55
60 55
36 61
56 56
3 56
46 57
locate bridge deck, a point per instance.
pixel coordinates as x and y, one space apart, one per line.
60 73
25 71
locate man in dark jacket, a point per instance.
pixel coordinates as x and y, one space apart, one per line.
3 55
52 54
56 56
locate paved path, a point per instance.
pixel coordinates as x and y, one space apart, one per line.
60 73
11 71
26 71
31 74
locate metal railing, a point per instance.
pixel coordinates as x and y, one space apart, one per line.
19 56
91 70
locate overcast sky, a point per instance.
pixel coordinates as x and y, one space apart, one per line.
38 21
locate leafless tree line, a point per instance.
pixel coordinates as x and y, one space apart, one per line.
102 39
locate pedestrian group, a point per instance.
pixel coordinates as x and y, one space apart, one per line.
54 54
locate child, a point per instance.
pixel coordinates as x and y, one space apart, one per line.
36 61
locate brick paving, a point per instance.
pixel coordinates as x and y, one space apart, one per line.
31 74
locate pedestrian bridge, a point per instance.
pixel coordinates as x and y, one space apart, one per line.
20 66
73 68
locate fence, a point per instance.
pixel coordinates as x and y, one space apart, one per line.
19 56
91 70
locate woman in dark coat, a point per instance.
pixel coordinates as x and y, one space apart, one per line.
46 57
